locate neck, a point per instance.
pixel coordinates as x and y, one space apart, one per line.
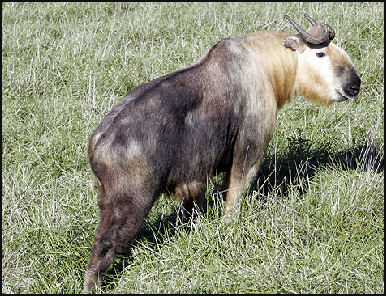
279 63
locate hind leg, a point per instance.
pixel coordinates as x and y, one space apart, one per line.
102 255
121 218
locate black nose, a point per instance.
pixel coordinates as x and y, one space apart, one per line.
353 86
353 90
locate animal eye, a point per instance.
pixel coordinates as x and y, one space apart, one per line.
320 54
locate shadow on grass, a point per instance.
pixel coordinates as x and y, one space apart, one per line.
301 162
279 172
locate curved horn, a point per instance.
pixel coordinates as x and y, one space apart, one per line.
310 19
327 28
297 27
331 33
318 34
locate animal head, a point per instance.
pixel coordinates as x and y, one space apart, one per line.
325 71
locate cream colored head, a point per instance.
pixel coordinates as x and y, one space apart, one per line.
325 72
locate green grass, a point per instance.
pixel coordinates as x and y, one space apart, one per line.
313 223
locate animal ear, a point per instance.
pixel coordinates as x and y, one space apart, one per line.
294 42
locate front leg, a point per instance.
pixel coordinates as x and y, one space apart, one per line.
236 182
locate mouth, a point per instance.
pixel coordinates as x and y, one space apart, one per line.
341 97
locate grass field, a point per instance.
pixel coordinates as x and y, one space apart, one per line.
313 223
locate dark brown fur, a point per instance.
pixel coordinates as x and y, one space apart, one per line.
184 130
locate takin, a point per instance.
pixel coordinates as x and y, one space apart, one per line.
218 115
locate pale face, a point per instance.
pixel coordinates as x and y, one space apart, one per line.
326 74
345 79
